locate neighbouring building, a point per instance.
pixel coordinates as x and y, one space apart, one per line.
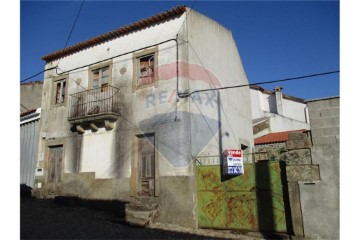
273 111
30 96
29 138
122 119
320 199
312 161
30 103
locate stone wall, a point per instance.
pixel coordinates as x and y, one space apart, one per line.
320 200
296 153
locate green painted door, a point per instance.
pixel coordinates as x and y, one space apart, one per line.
253 201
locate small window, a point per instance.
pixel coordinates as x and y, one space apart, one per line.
100 78
145 66
60 91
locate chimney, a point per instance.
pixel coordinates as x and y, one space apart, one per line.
279 100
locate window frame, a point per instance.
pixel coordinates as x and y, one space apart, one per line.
136 67
55 81
99 67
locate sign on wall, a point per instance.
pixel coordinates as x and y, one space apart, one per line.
233 162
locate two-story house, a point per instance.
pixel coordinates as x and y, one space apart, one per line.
120 118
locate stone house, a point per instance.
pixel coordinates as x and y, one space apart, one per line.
121 118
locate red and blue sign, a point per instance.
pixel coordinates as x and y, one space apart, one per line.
233 162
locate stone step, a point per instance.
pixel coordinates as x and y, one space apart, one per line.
139 222
141 206
130 214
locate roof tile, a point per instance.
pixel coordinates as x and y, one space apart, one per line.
116 33
277 137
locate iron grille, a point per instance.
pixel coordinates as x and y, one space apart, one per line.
95 101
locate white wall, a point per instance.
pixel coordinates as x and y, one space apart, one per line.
98 153
219 55
263 103
294 110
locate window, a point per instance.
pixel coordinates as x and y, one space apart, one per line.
59 91
145 66
101 78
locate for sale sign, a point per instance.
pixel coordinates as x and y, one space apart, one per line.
233 162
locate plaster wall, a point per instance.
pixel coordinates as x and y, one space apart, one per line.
227 112
294 110
184 128
30 96
257 104
263 103
280 123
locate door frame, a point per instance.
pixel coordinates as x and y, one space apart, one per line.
56 189
135 177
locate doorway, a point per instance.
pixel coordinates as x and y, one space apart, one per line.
146 165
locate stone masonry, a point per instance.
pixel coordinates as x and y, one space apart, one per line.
296 153
320 200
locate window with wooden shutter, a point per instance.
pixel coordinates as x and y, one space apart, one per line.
100 78
146 69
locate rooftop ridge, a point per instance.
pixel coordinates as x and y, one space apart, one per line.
116 33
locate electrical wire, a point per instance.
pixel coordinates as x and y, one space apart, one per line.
186 16
185 95
67 41
38 74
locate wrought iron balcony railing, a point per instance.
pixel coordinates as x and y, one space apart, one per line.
93 104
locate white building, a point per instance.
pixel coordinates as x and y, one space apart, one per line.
273 111
120 118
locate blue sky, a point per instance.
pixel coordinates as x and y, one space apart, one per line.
276 40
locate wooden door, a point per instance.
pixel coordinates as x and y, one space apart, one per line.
55 160
147 165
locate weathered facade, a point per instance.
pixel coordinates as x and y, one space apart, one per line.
120 118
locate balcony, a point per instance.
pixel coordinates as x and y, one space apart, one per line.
94 106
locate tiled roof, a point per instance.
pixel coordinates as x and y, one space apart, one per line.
277 137
117 32
23 114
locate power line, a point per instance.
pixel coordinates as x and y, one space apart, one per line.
186 16
67 41
37 74
185 95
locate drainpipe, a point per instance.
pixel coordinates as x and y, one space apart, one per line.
279 100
